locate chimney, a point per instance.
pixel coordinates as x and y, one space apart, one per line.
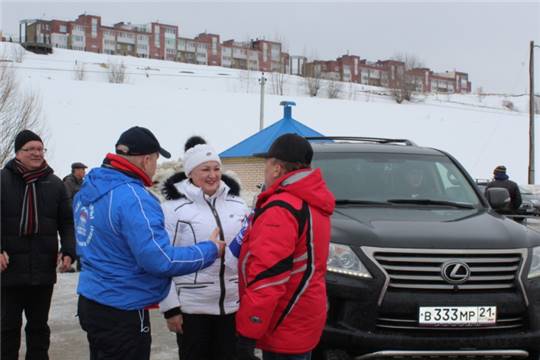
287 108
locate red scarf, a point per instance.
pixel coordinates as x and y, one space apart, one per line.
29 223
123 165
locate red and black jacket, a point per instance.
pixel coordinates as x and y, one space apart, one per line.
282 265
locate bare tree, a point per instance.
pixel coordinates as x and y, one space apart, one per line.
351 91
508 104
12 53
117 72
334 88
312 76
246 77
79 71
18 111
313 84
277 79
403 82
480 93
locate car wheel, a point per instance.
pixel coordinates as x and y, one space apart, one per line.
336 354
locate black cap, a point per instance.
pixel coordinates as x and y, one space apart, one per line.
291 148
501 169
78 165
139 141
24 137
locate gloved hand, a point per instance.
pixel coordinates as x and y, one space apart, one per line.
245 348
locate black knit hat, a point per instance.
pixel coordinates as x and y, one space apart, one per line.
501 169
139 141
290 148
24 137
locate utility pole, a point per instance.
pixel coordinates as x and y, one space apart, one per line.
531 115
262 81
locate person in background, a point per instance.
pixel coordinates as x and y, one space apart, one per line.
282 263
502 180
35 209
127 259
73 184
201 307
74 180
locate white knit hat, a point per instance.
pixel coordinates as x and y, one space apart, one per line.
197 155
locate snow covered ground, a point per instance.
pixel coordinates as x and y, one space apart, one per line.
176 100
68 341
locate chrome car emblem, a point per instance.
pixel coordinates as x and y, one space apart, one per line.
455 272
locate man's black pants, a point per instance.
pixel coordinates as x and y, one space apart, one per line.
35 302
115 334
207 337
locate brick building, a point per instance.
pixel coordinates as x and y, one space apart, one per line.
162 41
249 169
387 73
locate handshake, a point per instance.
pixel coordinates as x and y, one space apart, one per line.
214 237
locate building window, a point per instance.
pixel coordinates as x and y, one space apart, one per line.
156 36
94 28
63 28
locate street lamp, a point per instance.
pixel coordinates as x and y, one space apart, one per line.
531 114
262 81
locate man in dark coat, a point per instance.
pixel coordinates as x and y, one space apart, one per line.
74 180
35 209
73 183
501 180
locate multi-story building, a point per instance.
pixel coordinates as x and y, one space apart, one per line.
162 41
60 32
213 48
387 73
37 31
89 28
296 64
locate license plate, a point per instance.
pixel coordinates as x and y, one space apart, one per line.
457 315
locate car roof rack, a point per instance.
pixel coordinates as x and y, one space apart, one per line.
364 139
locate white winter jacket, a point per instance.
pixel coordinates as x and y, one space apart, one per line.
190 217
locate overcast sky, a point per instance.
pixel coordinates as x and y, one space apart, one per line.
488 40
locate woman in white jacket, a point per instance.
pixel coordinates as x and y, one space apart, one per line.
201 307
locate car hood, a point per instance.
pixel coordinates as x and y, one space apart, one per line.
429 228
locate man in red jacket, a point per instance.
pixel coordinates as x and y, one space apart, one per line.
282 263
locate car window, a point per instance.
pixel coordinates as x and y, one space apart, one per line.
386 176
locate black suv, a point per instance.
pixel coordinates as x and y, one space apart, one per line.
420 264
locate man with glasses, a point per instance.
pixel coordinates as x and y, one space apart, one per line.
35 209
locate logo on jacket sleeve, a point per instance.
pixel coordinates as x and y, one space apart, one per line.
255 319
84 230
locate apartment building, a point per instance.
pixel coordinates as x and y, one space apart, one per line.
387 73
162 41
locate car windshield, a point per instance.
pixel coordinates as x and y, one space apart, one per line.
395 179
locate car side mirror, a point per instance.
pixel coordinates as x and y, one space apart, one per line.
498 198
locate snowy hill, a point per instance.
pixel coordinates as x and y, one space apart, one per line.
176 100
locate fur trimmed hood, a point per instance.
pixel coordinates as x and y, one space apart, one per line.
170 192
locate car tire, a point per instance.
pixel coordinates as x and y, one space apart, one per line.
336 354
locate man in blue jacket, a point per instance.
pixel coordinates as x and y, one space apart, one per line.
126 256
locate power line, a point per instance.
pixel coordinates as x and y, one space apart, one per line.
127 73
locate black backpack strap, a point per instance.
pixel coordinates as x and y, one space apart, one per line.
300 215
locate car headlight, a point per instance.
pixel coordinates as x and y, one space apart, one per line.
534 271
343 260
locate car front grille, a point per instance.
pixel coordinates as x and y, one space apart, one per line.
423 269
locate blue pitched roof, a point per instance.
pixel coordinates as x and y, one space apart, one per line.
261 141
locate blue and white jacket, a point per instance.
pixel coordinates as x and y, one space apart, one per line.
126 255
